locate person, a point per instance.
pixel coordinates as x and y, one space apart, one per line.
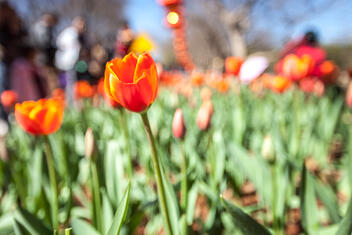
42 37
26 78
124 40
308 45
70 42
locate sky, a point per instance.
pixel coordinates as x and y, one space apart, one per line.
333 25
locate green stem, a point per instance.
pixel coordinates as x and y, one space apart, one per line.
184 187
52 177
96 194
274 198
155 159
127 147
68 231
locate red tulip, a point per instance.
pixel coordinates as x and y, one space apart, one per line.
41 117
204 115
132 81
8 98
178 125
83 89
296 68
233 65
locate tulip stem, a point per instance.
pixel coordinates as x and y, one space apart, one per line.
96 195
52 177
184 193
127 147
274 198
161 190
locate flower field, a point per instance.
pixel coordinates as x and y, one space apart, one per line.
265 164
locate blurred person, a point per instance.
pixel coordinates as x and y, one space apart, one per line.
26 77
70 43
307 45
42 37
124 40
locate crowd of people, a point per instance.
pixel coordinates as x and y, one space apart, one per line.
36 59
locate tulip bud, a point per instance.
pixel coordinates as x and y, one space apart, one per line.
89 143
268 149
178 125
204 115
349 95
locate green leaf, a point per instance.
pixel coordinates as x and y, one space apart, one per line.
82 227
31 222
18 228
246 223
309 209
345 227
121 213
327 196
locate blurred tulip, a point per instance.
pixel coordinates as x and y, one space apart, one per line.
328 72
252 68
83 89
204 115
8 98
89 143
221 85
277 83
178 125
132 81
349 95
233 65
296 68
41 117
312 85
166 3
268 149
197 79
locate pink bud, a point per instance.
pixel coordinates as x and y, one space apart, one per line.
178 125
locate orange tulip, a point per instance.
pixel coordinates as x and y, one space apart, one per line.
204 115
276 83
328 72
83 89
178 125
197 79
312 85
205 93
349 95
8 98
101 89
233 65
132 81
296 68
41 117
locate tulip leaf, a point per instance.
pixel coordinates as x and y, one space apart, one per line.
82 227
309 208
19 229
345 227
32 223
121 213
244 222
327 196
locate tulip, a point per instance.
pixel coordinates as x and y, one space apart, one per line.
178 125
197 79
205 94
349 95
8 98
312 85
132 81
204 115
233 65
296 68
83 89
268 149
328 72
278 84
41 117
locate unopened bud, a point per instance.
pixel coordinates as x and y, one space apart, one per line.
204 115
178 125
89 143
268 149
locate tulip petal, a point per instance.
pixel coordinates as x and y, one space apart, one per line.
124 69
146 67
